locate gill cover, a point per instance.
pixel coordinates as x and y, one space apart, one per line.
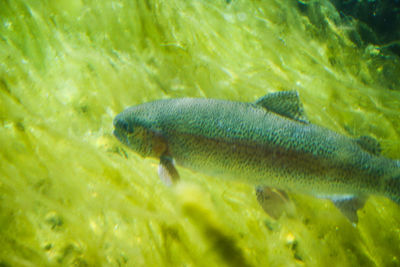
144 140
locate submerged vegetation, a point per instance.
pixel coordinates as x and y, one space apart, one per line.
70 194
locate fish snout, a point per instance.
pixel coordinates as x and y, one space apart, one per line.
121 124
122 128
117 135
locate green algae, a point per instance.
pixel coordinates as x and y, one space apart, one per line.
70 194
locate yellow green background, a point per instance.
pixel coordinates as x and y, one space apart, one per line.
71 194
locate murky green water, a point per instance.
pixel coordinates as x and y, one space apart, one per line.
70 193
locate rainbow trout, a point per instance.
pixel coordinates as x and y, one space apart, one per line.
269 143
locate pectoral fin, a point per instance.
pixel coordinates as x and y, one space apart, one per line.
349 207
167 171
274 202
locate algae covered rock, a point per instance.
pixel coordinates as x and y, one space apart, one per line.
380 20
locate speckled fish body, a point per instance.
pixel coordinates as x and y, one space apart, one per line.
248 141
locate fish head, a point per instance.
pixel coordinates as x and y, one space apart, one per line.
134 129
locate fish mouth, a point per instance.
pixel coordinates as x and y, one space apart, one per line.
121 129
117 134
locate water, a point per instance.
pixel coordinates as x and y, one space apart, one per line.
71 194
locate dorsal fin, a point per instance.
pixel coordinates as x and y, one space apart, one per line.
286 103
369 144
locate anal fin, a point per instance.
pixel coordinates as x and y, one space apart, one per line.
349 206
167 171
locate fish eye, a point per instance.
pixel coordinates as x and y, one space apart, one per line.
124 126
